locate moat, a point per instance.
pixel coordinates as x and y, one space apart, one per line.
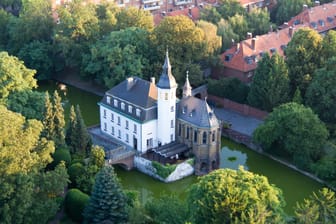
295 186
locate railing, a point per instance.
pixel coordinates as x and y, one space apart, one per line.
151 7
179 2
149 1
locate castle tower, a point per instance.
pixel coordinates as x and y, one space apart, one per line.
166 101
186 87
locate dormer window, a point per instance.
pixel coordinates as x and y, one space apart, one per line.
330 19
321 22
130 109
273 50
296 22
228 57
115 103
261 54
138 112
108 99
248 60
184 110
122 106
314 25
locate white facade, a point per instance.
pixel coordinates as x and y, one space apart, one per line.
166 115
132 133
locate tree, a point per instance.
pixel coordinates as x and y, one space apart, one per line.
319 208
77 30
75 202
29 103
230 8
185 42
328 46
106 12
59 122
211 40
83 140
227 34
239 25
321 92
97 156
270 86
286 9
120 55
107 201
295 131
38 55
235 196
48 119
70 137
210 14
34 23
303 57
14 76
259 21
134 17
167 209
5 17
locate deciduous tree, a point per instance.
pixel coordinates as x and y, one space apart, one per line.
230 196
293 129
59 122
134 17
286 9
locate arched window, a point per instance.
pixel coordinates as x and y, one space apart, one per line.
213 136
204 139
195 136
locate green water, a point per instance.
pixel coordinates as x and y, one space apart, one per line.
295 186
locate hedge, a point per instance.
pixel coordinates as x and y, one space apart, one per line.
163 170
62 154
75 170
75 202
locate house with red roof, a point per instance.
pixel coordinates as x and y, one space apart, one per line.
241 59
250 4
192 12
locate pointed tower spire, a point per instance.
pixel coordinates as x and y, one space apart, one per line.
187 87
167 80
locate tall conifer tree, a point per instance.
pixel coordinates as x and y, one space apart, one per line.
71 130
59 121
82 140
107 202
48 121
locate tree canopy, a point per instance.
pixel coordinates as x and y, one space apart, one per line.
270 86
286 9
293 129
235 196
14 76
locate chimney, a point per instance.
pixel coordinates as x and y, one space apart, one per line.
153 80
249 35
130 83
285 24
253 43
305 7
290 31
237 47
189 11
316 3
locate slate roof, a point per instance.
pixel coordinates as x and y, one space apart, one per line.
136 91
167 80
196 112
321 18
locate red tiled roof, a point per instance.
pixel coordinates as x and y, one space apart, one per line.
193 13
321 18
244 58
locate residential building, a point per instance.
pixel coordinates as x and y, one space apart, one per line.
148 117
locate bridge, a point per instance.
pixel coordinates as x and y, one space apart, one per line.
115 153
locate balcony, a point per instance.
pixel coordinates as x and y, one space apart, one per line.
153 6
182 2
149 1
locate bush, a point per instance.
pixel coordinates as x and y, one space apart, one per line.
62 154
74 171
163 170
75 202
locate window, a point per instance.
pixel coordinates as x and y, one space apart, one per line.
204 140
123 106
195 136
138 112
130 109
118 120
127 125
213 136
115 102
135 129
172 109
166 96
104 113
187 136
179 130
108 99
172 123
171 137
112 132
112 117
149 143
119 134
105 126
127 138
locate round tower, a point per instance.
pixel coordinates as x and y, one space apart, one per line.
166 101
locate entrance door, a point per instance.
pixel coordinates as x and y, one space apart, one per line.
135 143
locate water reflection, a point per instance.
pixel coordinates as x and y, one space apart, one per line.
232 159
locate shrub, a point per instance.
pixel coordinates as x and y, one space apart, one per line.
74 171
75 202
163 170
62 154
